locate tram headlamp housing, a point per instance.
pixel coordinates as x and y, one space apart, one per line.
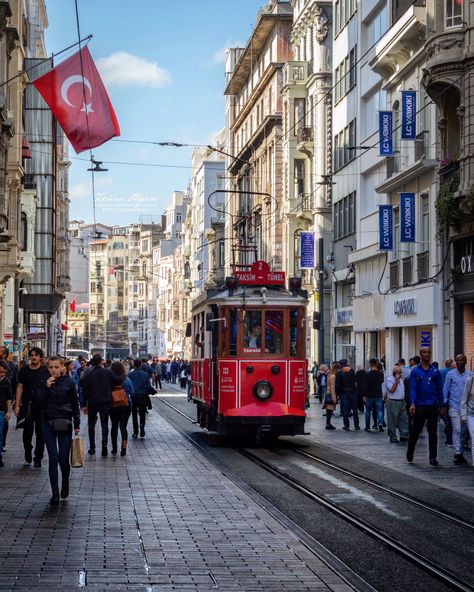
263 390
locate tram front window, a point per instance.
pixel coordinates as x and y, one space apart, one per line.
274 331
253 330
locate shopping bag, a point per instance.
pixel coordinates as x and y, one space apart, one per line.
77 452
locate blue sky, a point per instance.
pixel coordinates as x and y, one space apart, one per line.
162 64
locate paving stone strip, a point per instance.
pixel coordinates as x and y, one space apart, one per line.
162 518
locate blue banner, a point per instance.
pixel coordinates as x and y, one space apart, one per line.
408 115
386 228
307 250
407 217
385 133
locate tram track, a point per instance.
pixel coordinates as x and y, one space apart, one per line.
420 560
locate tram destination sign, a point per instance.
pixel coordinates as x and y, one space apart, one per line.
260 274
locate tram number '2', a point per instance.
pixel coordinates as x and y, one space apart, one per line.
425 338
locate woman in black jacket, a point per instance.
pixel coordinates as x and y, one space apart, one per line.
60 406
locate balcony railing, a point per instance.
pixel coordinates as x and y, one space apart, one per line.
394 281
423 265
407 270
305 202
29 181
304 134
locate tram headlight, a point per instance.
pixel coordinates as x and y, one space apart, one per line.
263 390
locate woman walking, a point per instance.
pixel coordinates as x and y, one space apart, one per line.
330 398
120 415
141 384
60 408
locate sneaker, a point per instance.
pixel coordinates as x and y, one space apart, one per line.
91 451
4 449
367 430
105 452
330 427
448 445
410 456
374 427
347 429
434 462
394 440
1 464
459 459
142 433
134 435
65 490
114 450
381 428
37 464
402 439
384 424
357 428
28 457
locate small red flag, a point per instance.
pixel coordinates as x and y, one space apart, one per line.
72 306
71 93
64 327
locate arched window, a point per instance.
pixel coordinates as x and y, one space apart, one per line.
24 232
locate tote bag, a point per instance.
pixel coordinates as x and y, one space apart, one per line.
77 452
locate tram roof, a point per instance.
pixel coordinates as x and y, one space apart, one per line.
251 296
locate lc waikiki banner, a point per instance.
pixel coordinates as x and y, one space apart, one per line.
386 228
408 115
407 217
385 133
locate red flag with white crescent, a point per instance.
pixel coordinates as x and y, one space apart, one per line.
79 101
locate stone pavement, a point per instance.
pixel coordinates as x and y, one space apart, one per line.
162 518
376 447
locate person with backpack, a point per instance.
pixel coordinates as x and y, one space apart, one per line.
119 415
141 385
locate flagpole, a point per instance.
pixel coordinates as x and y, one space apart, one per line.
52 56
65 332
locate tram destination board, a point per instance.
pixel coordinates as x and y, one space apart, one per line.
260 274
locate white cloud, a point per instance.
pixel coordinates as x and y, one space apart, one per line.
124 69
218 56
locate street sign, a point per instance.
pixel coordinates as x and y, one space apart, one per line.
261 275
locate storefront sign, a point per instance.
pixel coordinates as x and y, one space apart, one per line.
385 133
407 217
425 339
343 316
408 115
386 228
466 264
405 307
307 250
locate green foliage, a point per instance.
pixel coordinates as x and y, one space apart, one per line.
448 211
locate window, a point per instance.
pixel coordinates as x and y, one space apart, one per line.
345 216
345 75
274 323
376 27
344 143
178 217
454 16
299 176
24 232
299 114
252 331
343 10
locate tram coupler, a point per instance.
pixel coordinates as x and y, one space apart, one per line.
261 432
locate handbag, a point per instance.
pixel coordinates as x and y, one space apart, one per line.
328 399
119 397
60 426
149 406
77 452
149 390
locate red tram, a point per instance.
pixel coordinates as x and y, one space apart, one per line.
249 372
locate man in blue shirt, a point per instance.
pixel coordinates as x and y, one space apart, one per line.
453 391
426 404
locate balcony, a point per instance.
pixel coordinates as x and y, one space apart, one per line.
304 140
305 203
295 73
29 181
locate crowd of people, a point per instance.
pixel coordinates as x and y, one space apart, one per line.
403 400
46 397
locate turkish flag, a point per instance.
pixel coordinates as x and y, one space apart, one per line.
64 327
72 306
71 93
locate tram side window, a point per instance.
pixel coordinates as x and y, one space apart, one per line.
293 332
233 332
274 324
253 330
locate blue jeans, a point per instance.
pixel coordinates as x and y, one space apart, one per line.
348 403
59 449
2 420
369 403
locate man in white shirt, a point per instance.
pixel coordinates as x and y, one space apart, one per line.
396 409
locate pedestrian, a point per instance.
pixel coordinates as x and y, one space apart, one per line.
396 410
158 375
321 381
168 371
98 383
330 397
119 416
314 373
60 408
27 407
189 389
346 392
82 367
361 387
141 383
426 405
374 381
453 391
5 402
448 426
467 410
12 375
404 368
